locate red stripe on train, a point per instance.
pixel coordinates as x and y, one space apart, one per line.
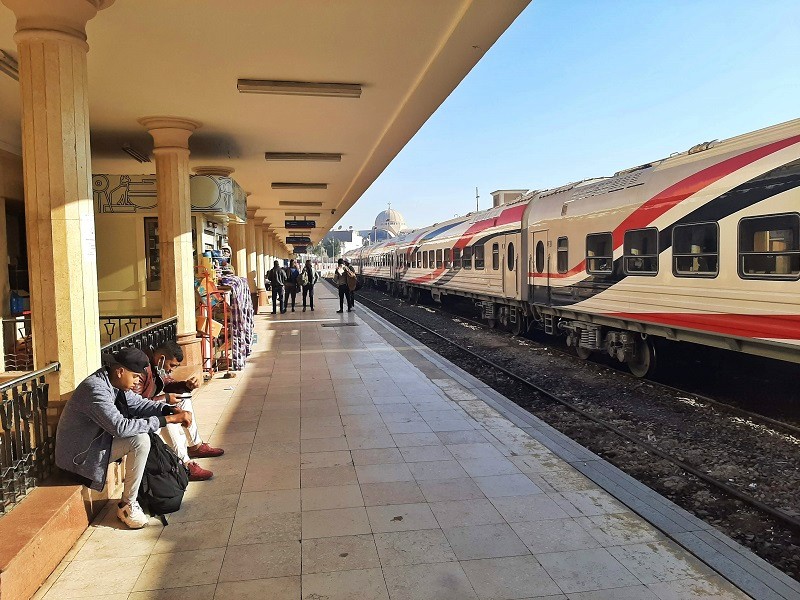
783 327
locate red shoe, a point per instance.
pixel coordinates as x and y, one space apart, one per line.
205 451
198 473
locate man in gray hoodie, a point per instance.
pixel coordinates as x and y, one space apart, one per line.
105 421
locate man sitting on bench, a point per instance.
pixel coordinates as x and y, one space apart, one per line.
105 420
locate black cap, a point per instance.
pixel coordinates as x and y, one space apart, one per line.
132 359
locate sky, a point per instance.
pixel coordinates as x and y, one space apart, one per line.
584 88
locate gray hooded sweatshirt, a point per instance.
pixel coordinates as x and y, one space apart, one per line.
96 413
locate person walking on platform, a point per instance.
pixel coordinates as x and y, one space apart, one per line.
308 278
277 278
340 279
292 283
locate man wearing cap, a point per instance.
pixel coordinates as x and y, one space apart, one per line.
105 421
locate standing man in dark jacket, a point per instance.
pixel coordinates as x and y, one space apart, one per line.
277 279
308 278
105 421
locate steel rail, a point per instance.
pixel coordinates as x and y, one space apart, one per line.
774 512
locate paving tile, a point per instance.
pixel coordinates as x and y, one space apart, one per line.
401 517
594 502
395 492
586 570
335 522
119 577
440 469
260 561
328 476
413 547
619 529
480 449
268 502
366 584
456 513
711 587
265 528
195 592
377 456
322 498
194 535
485 541
554 535
438 490
538 507
371 441
636 592
263 477
177 569
343 553
659 561
442 581
507 485
416 439
426 454
383 473
111 542
310 460
484 467
461 437
509 578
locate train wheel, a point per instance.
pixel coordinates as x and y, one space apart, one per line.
583 353
414 296
643 363
520 327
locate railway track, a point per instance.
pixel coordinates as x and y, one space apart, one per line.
788 520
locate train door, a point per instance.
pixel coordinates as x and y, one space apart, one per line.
540 263
510 260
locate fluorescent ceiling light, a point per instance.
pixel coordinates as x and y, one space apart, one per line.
298 88
284 185
327 156
298 203
135 154
9 65
302 214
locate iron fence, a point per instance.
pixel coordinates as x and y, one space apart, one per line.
113 328
17 343
27 442
151 336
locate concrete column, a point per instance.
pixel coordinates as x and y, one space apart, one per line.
250 243
260 265
59 217
236 240
171 150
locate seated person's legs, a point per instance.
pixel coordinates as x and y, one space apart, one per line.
135 450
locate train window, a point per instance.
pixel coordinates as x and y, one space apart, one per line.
431 260
478 252
599 253
466 257
495 256
511 257
539 256
418 260
695 250
456 258
562 255
769 247
439 258
447 263
424 260
640 251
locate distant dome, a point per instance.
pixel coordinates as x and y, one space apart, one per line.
390 220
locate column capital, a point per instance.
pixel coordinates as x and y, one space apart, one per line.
55 19
218 171
170 132
251 214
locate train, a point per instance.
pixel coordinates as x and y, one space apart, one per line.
702 246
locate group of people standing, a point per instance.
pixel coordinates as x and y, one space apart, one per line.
286 282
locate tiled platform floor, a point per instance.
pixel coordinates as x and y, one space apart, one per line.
352 474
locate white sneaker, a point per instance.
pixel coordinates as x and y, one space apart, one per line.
132 515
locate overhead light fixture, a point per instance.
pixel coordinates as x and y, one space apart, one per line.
302 214
298 203
315 156
9 65
135 154
284 185
298 88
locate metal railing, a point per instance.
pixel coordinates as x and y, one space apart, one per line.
115 327
148 337
17 344
27 442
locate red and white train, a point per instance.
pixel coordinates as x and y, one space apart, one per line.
703 246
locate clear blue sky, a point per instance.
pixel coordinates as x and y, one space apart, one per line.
583 88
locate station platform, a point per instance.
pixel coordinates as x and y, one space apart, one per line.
359 465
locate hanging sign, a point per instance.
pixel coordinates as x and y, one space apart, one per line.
299 240
296 224
300 249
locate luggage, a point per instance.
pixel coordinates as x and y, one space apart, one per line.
164 482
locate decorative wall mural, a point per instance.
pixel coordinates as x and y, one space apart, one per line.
125 194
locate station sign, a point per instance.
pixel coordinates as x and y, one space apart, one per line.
296 224
300 249
298 240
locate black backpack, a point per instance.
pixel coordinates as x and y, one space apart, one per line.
164 482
